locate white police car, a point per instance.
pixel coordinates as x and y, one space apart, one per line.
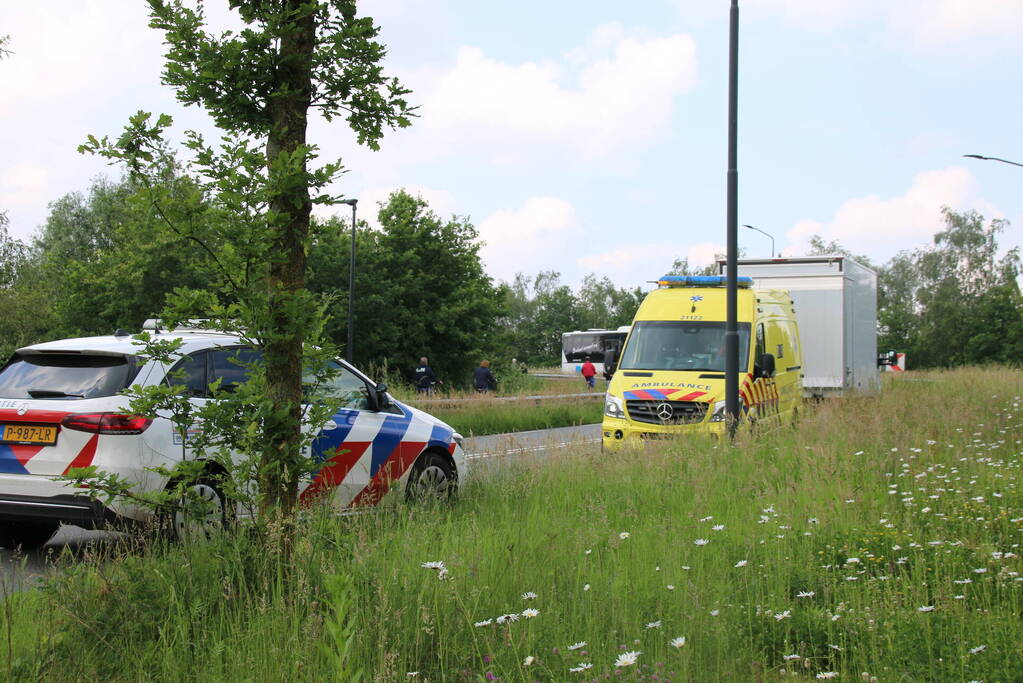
60 409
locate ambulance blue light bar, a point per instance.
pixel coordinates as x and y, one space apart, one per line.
703 281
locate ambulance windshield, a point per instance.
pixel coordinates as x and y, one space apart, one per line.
671 345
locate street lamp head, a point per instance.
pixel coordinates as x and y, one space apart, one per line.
349 202
974 156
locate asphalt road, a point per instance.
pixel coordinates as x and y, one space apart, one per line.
20 571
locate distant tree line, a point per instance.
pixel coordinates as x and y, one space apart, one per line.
103 260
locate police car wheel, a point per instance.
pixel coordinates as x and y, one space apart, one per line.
432 478
200 514
27 535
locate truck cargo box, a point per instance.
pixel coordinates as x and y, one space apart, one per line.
836 306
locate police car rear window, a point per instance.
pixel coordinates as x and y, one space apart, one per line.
65 376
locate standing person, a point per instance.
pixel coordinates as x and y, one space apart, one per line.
483 379
425 379
589 372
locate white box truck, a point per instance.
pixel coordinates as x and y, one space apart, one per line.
836 307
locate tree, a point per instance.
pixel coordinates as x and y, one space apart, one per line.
421 289
259 86
969 304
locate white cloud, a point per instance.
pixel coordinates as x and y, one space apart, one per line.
880 227
638 264
528 239
440 202
929 23
615 91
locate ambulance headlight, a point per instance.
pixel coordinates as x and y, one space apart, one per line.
719 412
613 407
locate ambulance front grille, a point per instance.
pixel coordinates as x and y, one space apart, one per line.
655 412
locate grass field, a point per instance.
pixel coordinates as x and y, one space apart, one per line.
877 541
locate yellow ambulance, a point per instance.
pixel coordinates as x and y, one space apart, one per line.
671 376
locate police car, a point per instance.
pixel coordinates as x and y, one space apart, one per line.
60 408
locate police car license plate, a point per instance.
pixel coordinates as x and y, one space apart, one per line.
36 435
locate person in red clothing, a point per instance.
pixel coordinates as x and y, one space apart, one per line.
589 372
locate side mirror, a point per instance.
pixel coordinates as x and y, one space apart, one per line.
379 400
767 365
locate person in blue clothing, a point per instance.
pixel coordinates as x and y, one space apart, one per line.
425 378
483 379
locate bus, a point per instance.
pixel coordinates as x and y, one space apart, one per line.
600 345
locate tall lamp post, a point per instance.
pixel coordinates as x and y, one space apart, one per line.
351 286
731 228
1004 161
763 233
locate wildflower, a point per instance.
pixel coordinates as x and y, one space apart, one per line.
623 535
530 613
589 550
852 560
657 569
963 581
978 649
717 527
528 660
813 520
504 618
834 647
981 570
576 646
741 563
958 597
627 658
782 615
433 565
654 624
715 612
925 608
827 674
686 567
701 541
485 622
805 594
678 642
671 587
707 518
789 658
586 587
583 666
902 560
412 674
530 595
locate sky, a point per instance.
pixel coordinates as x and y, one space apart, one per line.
590 136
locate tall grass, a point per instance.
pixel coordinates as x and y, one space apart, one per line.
878 540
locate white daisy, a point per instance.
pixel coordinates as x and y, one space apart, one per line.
805 594
528 660
504 618
586 587
671 587
485 622
623 535
827 674
715 612
741 563
789 658
782 615
701 541
530 613
530 595
433 565
577 646
654 624
583 666
925 608
678 642
627 658
717 527
978 649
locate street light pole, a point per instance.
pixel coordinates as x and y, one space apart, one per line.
351 286
1004 161
763 233
732 229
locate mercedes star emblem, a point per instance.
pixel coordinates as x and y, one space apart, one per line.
664 412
